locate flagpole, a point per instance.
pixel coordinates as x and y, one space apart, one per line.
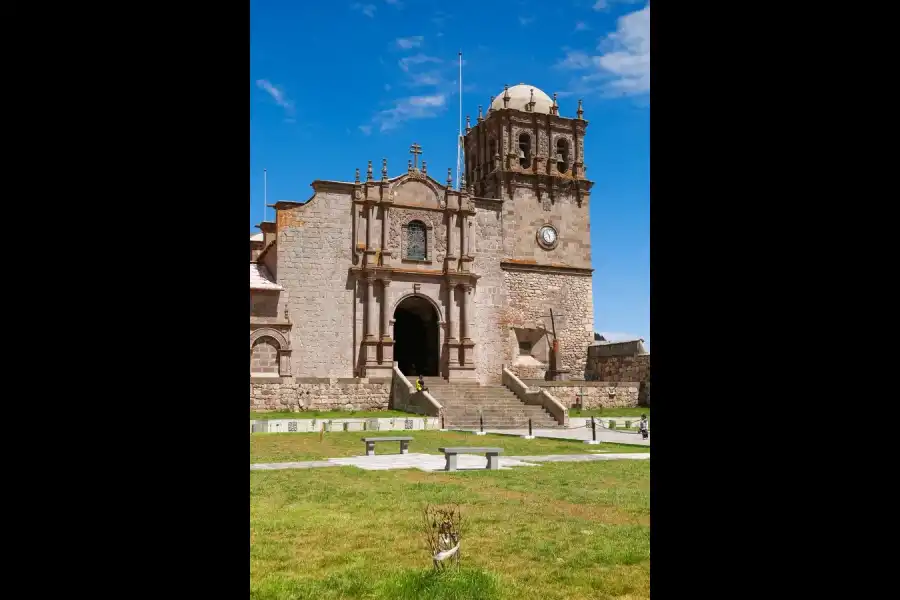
459 134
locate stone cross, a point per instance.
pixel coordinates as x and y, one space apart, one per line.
415 150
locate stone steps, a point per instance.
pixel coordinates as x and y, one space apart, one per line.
466 403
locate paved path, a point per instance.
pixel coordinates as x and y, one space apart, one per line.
436 462
603 435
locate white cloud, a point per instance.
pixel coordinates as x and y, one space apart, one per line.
277 94
628 58
394 2
366 129
581 26
387 87
420 79
623 67
407 109
417 59
411 42
525 21
601 5
366 9
575 59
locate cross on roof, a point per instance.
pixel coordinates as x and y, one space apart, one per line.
415 150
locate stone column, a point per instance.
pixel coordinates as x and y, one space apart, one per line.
385 287
463 221
385 228
369 227
451 313
387 343
451 235
370 307
465 314
468 225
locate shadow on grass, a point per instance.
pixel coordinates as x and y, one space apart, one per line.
410 584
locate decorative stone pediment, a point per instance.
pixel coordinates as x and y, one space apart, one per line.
417 189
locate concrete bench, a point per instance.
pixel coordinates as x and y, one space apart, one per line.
493 456
370 443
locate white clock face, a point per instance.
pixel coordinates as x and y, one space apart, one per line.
548 235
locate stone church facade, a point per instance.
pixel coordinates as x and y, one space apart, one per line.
444 282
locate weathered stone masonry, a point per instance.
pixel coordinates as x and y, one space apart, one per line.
343 263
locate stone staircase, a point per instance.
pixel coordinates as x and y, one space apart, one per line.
501 408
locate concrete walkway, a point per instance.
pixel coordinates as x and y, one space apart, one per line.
603 435
436 462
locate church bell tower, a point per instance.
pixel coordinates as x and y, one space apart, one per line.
523 141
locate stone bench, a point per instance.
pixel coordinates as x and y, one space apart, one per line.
370 443
493 456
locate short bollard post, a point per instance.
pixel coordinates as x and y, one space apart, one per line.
480 424
593 441
530 435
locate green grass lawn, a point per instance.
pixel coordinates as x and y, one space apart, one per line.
289 447
559 531
635 412
332 414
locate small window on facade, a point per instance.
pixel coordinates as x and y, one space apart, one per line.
525 348
415 240
562 155
525 150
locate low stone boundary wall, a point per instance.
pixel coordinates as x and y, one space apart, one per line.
590 394
316 425
319 393
604 422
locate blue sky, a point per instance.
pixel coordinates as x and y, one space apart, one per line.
334 84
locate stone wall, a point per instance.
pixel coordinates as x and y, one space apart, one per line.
314 258
606 394
312 393
525 215
263 303
531 295
621 368
489 298
264 357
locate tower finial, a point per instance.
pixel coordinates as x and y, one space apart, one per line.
424 168
554 110
369 172
409 165
506 95
384 169
531 102
480 116
357 176
580 111
490 106
468 124
449 177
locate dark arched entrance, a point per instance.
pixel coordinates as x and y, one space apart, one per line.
416 337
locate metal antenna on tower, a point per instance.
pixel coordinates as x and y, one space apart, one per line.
459 139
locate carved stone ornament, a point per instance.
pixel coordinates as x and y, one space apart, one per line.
358 194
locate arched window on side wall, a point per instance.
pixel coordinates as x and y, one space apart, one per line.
562 155
416 242
525 150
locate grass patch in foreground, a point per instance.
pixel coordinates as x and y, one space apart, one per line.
633 411
559 531
331 414
288 447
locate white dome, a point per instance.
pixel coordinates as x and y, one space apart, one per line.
520 95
